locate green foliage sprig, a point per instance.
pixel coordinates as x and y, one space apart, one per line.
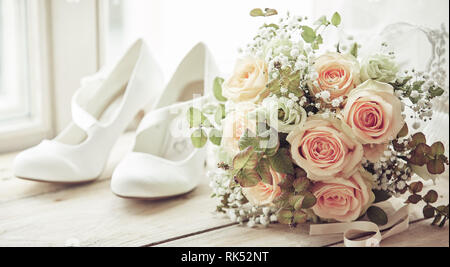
199 121
296 201
440 213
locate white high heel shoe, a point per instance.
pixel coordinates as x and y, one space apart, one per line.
101 111
163 162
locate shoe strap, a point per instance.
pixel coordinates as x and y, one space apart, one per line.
89 85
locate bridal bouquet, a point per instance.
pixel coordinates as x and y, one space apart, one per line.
308 135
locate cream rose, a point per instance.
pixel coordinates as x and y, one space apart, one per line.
337 73
344 200
235 125
264 194
248 83
381 68
325 148
375 115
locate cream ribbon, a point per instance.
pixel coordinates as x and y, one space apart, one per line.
397 223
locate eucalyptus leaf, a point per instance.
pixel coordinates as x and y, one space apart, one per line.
336 19
404 131
436 166
300 217
436 91
199 138
309 201
215 136
308 34
301 184
428 212
257 12
217 88
354 50
437 149
377 215
196 118
414 199
220 114
285 216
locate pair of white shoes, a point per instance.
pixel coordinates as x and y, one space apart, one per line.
163 162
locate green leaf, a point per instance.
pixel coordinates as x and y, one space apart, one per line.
436 166
336 19
220 114
428 212
319 39
248 139
196 118
281 162
377 215
199 138
217 88
418 138
414 199
437 219
300 173
248 177
308 34
419 155
215 136
381 196
301 184
257 12
270 12
354 50
309 201
296 201
437 149
416 187
404 131
285 216
272 25
300 217
431 197
242 158
263 170
436 91
322 21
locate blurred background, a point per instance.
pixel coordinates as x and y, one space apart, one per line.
46 46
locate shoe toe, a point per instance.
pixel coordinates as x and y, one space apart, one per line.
142 176
38 164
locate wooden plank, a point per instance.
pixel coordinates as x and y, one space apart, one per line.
419 234
12 188
92 215
242 236
279 235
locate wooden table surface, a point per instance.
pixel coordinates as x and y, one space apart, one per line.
39 214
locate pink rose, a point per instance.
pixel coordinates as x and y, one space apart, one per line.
375 115
344 200
338 74
264 194
325 148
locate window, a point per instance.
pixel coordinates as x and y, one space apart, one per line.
14 86
24 86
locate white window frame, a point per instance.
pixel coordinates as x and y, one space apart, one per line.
37 126
62 49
